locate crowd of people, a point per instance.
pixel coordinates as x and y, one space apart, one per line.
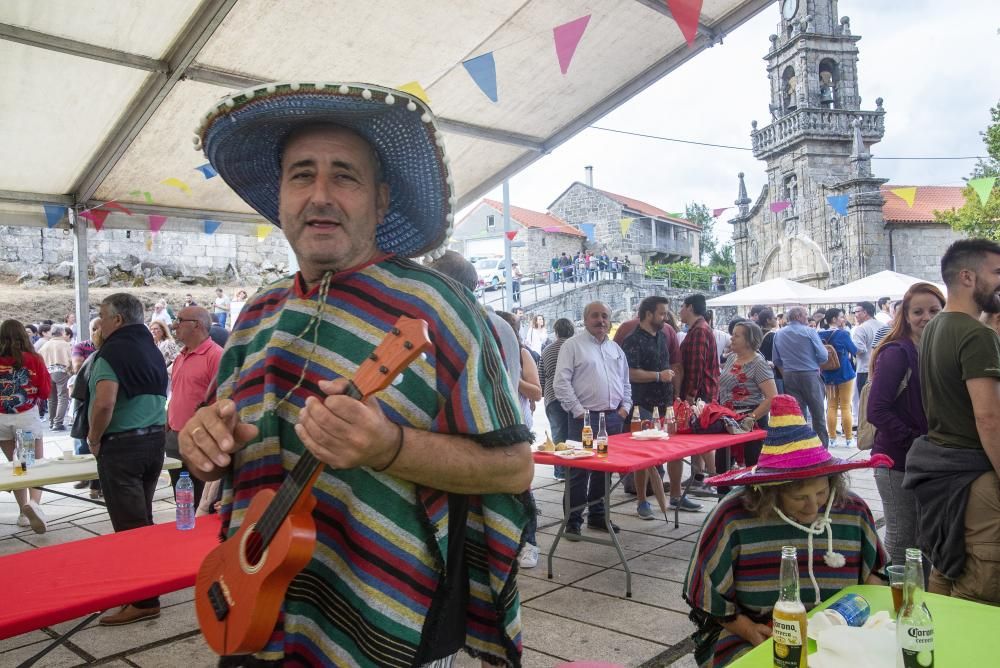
423 508
585 267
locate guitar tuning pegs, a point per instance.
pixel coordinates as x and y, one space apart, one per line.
373 357
395 331
408 345
383 370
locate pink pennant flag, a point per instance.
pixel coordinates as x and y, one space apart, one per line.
117 207
511 234
156 222
778 207
686 13
97 217
718 212
567 38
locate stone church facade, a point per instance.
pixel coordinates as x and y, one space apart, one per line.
816 146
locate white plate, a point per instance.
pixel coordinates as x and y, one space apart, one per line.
75 460
574 454
650 435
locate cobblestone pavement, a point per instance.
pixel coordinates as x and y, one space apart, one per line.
582 613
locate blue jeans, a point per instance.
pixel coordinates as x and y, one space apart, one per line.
557 422
221 318
588 486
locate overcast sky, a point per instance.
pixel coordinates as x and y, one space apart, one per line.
934 63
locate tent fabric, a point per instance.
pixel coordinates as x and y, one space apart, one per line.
882 284
108 94
777 291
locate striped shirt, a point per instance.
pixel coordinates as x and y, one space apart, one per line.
382 542
735 566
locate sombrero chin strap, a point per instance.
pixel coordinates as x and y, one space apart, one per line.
819 525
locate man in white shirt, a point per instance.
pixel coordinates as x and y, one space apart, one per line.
591 376
863 336
884 314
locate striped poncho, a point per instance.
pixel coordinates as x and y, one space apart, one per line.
382 542
735 568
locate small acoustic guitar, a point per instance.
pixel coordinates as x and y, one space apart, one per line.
241 584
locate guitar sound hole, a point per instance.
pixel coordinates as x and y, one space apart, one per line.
254 548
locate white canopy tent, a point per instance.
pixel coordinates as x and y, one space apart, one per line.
777 292
883 284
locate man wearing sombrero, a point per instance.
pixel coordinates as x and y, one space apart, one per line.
796 493
418 525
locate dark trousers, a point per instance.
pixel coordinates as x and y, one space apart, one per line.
129 468
173 450
588 486
861 381
557 422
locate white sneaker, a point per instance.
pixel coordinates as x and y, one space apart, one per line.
22 521
529 556
36 517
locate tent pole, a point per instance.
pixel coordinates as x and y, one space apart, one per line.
80 263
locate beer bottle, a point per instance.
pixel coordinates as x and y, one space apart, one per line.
788 628
636 421
19 467
588 433
656 418
914 626
602 437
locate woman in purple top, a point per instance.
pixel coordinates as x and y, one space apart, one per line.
899 416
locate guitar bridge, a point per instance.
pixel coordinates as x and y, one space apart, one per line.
217 597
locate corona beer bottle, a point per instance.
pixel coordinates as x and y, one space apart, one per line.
788 628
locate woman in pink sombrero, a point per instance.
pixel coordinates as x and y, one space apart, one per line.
796 495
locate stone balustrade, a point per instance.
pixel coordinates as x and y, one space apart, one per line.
815 124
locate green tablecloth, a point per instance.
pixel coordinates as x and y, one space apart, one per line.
966 634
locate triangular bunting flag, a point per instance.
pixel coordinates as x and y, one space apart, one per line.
53 214
264 230
144 193
686 13
117 207
211 226
625 223
177 183
589 229
908 195
567 37
718 212
483 70
416 90
511 234
97 217
207 170
156 222
676 215
838 203
778 207
982 186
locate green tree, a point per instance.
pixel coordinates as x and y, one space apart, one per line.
702 217
725 258
975 218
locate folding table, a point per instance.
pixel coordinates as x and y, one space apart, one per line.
626 455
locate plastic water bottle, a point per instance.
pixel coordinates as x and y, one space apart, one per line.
28 445
184 495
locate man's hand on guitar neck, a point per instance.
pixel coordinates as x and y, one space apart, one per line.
211 436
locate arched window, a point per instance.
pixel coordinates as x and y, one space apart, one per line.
828 79
788 97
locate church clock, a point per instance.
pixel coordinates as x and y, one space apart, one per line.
788 8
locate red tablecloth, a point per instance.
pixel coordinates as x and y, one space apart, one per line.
49 585
626 454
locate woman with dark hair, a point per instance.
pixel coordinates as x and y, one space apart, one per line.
796 495
769 324
26 383
839 382
165 342
538 334
895 408
746 385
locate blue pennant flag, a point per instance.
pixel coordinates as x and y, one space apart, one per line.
53 214
207 170
589 230
838 203
483 70
211 226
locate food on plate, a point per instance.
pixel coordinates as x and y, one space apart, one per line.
649 433
563 446
548 445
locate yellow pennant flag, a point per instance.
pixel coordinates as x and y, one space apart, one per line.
908 195
149 242
416 90
177 183
263 231
625 223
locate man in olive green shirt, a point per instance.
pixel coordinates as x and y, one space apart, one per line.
128 392
953 470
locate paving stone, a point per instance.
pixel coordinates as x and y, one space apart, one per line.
58 658
107 640
530 587
645 589
14 642
564 571
190 652
64 534
659 567
590 553
678 550
576 641
14 544
686 661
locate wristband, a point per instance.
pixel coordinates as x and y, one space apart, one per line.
657 376
399 449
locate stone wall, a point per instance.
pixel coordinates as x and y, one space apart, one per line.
918 249
39 254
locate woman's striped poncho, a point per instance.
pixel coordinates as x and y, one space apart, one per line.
381 541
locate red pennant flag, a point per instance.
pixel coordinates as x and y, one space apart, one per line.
686 13
97 217
156 222
778 207
511 234
567 38
718 212
117 207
